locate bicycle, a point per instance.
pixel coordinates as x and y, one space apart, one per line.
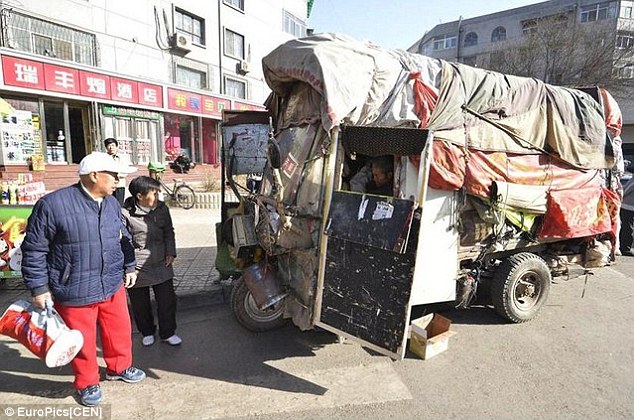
180 193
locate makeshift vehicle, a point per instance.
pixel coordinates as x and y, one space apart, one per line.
498 182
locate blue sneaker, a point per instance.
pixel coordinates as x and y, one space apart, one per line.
90 396
131 375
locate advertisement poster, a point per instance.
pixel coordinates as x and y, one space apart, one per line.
12 228
19 140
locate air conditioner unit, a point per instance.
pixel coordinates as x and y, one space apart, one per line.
243 67
181 44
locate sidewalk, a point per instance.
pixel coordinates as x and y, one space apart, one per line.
195 278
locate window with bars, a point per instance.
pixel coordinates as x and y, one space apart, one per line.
29 34
595 12
234 44
625 72
529 27
236 4
191 78
236 88
445 43
625 40
191 26
498 34
626 12
471 39
294 25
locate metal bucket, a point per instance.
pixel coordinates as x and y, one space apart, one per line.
263 284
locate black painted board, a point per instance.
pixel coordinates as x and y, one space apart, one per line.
372 220
367 292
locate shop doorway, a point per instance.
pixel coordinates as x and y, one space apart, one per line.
77 118
66 132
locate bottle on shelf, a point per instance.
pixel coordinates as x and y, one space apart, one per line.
4 193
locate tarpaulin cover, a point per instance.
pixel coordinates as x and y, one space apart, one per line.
476 171
362 84
579 213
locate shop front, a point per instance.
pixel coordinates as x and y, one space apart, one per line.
137 131
58 114
191 129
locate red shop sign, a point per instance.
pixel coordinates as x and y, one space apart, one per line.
23 73
241 106
150 94
185 101
214 106
94 85
124 90
61 79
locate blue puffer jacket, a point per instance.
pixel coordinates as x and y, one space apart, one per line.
75 249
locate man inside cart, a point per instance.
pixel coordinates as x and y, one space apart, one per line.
112 148
376 177
78 252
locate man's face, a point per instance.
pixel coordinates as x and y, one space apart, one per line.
106 183
111 148
379 177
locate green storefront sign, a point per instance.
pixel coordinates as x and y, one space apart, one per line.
118 111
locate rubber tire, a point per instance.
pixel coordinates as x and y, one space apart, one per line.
185 196
505 281
246 312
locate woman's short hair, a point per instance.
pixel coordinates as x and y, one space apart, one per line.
143 185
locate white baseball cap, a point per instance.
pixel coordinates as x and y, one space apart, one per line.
102 162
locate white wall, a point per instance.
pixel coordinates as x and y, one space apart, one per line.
126 34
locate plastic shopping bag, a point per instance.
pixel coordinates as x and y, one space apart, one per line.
42 331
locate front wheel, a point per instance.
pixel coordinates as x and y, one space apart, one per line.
520 287
249 315
185 196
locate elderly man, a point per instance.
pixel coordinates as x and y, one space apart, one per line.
78 253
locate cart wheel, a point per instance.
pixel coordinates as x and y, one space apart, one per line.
185 196
249 315
520 287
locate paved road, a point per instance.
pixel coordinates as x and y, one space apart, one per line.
574 361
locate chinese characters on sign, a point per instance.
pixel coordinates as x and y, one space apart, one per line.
21 72
43 76
188 101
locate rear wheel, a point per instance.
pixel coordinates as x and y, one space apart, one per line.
520 287
249 315
185 196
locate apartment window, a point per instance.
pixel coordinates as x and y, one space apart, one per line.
626 12
191 78
236 88
190 26
471 39
498 34
41 37
624 40
445 43
234 44
529 27
294 25
625 72
594 12
236 4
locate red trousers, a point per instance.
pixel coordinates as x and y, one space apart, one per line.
116 337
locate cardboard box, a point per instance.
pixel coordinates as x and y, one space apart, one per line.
429 335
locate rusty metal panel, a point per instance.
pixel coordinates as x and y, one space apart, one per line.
367 292
376 221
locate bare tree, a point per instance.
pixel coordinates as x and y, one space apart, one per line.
559 50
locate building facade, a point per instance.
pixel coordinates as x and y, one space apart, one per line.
494 40
154 74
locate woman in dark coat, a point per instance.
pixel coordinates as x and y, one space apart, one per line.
150 224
